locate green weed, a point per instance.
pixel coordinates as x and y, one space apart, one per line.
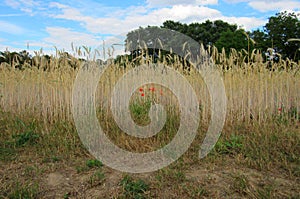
231 146
24 191
89 164
93 163
97 178
240 183
52 159
140 110
265 191
28 136
134 188
7 153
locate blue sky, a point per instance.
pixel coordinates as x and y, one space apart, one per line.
35 24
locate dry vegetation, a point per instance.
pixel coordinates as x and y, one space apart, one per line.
257 156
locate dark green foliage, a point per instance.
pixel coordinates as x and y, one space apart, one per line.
140 111
280 29
94 163
229 39
27 136
232 145
134 188
206 33
276 34
21 60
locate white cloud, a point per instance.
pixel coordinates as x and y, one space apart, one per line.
187 13
63 37
134 16
158 3
183 13
9 48
128 19
34 44
28 6
247 23
10 15
121 20
130 11
30 3
12 3
11 28
236 1
279 5
270 5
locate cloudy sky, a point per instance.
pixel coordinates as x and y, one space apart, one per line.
35 24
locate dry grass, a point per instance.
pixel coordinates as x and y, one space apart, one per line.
257 155
254 90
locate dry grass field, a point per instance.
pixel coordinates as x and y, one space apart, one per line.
257 155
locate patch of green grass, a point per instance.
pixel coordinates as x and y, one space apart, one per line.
67 195
294 113
134 188
27 136
240 183
265 191
94 163
7 154
232 146
194 190
52 159
30 171
24 191
296 171
97 178
169 174
15 134
270 147
287 116
89 164
139 111
81 169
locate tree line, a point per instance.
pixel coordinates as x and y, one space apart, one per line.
279 37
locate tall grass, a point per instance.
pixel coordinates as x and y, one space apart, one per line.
257 90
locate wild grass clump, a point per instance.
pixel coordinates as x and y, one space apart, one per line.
134 188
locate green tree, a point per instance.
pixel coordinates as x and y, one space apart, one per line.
152 38
5 57
177 26
206 33
261 40
237 40
14 59
280 29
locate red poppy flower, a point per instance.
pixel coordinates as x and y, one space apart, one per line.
143 94
141 89
152 89
280 109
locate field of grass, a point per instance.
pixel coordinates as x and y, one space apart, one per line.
257 155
